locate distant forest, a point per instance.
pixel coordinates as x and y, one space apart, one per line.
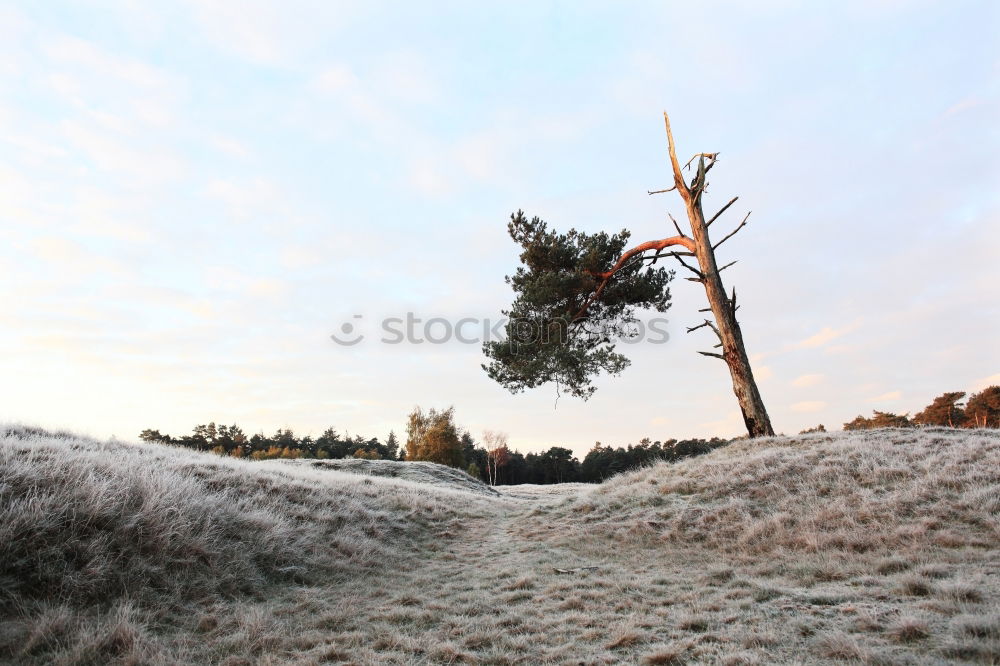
555 465
950 409
434 436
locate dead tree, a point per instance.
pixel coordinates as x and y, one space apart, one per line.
575 292
707 272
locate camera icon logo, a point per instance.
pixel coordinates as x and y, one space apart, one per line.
348 337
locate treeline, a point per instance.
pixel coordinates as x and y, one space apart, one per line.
948 409
233 441
433 436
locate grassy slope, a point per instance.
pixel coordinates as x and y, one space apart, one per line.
875 547
100 542
420 472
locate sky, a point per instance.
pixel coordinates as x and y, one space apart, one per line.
194 196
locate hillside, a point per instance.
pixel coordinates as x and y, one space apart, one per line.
419 472
878 547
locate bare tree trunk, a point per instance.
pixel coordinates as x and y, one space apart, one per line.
727 328
723 307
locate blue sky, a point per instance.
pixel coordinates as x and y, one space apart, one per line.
194 196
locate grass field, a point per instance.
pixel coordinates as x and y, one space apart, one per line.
872 547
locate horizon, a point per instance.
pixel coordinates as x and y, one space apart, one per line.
194 199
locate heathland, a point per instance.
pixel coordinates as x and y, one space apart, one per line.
873 546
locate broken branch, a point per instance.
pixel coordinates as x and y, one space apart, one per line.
711 156
571 571
733 232
679 184
676 226
721 211
708 323
728 265
694 270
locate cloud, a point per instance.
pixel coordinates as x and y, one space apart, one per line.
268 33
249 29
336 78
732 424
69 257
427 177
150 166
825 335
808 406
992 380
807 380
887 397
230 146
80 53
244 200
231 280
298 256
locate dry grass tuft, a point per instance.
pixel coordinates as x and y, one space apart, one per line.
960 592
908 629
915 586
978 626
668 655
842 647
891 565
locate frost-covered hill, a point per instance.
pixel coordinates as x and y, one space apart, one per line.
874 547
419 472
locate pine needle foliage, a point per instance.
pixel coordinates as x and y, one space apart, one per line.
561 328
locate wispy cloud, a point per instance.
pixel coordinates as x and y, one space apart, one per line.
808 406
825 335
803 381
985 382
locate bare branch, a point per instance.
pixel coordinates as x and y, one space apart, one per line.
676 226
661 191
721 211
687 266
713 355
702 280
733 232
728 265
674 164
708 323
643 247
711 156
657 245
705 310
573 571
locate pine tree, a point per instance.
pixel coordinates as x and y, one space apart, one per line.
943 411
392 445
879 420
983 409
